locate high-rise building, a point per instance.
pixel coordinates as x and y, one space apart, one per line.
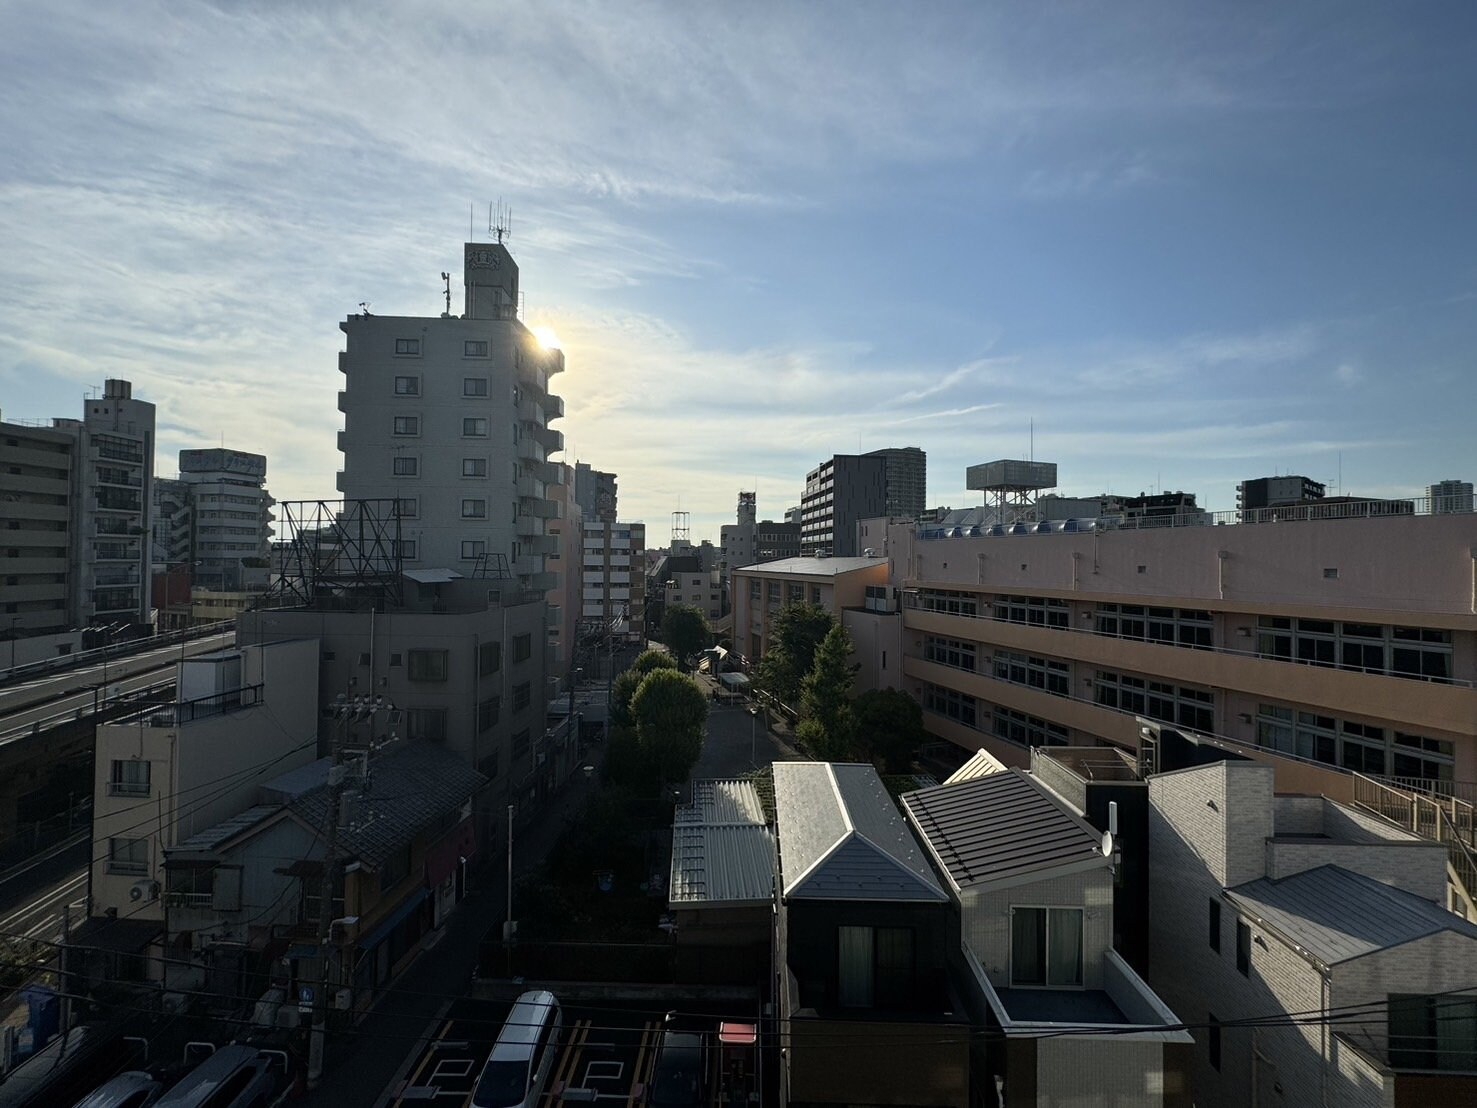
749 541
1450 496
907 480
595 493
229 521
81 517
839 493
564 598
451 416
1274 492
614 563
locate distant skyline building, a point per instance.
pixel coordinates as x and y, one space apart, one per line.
1274 492
215 519
614 570
77 502
907 480
840 493
595 493
450 416
1450 496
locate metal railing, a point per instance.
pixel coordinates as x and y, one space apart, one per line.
183 712
913 602
1443 819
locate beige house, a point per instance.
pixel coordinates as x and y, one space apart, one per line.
240 716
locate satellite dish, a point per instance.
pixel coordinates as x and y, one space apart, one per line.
1107 844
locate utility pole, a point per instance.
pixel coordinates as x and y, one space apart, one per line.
346 712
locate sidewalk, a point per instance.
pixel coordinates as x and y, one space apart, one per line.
362 1063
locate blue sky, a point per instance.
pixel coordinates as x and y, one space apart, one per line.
1192 243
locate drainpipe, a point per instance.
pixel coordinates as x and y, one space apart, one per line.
1327 1038
1220 571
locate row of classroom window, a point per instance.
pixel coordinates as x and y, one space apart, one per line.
1347 744
1398 651
434 664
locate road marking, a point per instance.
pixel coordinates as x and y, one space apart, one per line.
451 1068
416 1080
641 1072
564 1072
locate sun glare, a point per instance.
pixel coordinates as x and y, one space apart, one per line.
548 338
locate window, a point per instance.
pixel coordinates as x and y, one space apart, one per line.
954 705
474 467
429 665
1037 610
426 723
488 766
474 427
522 696
1190 627
409 507
1177 704
1433 1032
129 778
1213 1040
474 509
1024 730
875 966
950 652
1243 948
1215 925
407 386
520 743
1046 946
489 658
1038 673
522 647
473 549
474 386
487 713
407 425
407 348
950 603
129 857
474 348
405 466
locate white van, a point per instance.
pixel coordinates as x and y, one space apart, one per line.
524 1054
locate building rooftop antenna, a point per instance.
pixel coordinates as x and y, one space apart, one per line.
499 221
447 278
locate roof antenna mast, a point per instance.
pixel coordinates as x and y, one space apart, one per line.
499 221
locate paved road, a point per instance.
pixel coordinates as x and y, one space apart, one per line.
738 743
40 917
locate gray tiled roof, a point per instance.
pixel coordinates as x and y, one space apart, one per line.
842 837
1335 915
414 786
999 827
721 864
722 800
212 837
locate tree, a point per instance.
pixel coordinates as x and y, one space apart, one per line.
649 660
621 691
826 695
671 717
889 729
685 631
794 635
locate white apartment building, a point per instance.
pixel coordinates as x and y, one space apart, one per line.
240 716
451 416
703 591
77 531
1263 906
230 516
614 585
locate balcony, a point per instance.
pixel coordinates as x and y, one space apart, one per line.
553 440
343 400
544 509
189 900
529 487
554 407
529 449
529 525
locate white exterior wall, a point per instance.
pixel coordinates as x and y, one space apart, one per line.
985 921
201 771
1099 1073
507 452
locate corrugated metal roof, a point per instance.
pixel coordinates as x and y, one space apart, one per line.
842 838
999 827
207 840
722 864
1334 915
812 567
983 764
413 786
722 800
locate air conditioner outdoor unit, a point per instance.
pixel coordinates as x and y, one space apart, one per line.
144 890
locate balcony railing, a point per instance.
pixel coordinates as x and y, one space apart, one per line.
179 714
1028 521
189 900
913 601
1419 809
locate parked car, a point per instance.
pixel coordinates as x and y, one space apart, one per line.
133 1089
680 1075
521 1059
235 1076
